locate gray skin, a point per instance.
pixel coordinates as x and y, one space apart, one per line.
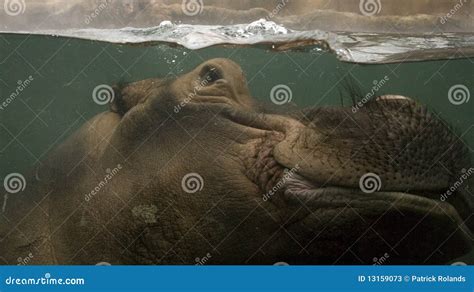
277 186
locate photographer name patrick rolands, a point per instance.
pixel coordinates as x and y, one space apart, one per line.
433 278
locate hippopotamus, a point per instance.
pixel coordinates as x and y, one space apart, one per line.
195 170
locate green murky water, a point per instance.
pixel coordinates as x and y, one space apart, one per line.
57 99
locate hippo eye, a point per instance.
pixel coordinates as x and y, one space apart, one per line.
211 74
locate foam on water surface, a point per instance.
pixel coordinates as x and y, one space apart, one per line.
349 47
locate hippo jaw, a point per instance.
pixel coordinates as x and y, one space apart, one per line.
321 173
327 152
321 214
276 187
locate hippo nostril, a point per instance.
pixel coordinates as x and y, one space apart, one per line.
210 74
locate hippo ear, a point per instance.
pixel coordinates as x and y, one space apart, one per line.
129 95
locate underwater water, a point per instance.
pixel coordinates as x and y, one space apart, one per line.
47 84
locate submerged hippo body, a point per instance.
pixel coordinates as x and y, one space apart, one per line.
194 171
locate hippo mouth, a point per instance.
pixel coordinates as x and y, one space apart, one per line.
384 172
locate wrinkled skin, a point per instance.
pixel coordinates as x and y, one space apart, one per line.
276 187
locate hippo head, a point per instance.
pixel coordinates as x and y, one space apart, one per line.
193 170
